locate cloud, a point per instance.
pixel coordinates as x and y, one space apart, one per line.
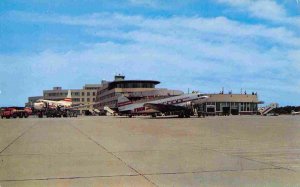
107 22
182 52
150 3
294 56
264 9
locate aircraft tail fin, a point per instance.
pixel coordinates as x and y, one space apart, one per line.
69 97
123 101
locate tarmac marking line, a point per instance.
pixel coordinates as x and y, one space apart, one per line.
18 137
49 154
211 171
246 158
101 146
70 178
131 175
137 151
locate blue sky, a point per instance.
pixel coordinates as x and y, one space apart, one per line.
201 45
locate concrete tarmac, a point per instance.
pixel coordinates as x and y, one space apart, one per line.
117 151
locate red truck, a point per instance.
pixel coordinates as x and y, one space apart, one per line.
15 112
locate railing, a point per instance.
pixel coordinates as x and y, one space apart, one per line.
267 109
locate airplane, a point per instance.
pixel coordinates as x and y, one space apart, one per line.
295 113
57 108
43 103
65 104
177 105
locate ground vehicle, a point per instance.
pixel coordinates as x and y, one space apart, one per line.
15 112
56 112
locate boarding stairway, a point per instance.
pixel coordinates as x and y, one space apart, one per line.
265 110
96 111
109 110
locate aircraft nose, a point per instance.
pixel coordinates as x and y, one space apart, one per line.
37 106
203 96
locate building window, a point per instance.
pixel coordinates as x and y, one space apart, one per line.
245 106
82 100
76 100
94 93
93 99
218 108
82 93
254 107
88 93
88 99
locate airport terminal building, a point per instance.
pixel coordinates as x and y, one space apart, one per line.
230 104
108 93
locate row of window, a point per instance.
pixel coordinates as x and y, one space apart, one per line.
242 106
135 85
83 100
102 91
107 96
248 107
72 93
110 103
89 93
55 94
91 88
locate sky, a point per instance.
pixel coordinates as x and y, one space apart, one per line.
200 45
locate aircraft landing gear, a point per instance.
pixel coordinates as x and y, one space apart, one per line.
181 115
184 114
40 115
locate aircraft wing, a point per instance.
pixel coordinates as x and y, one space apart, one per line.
82 105
163 107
